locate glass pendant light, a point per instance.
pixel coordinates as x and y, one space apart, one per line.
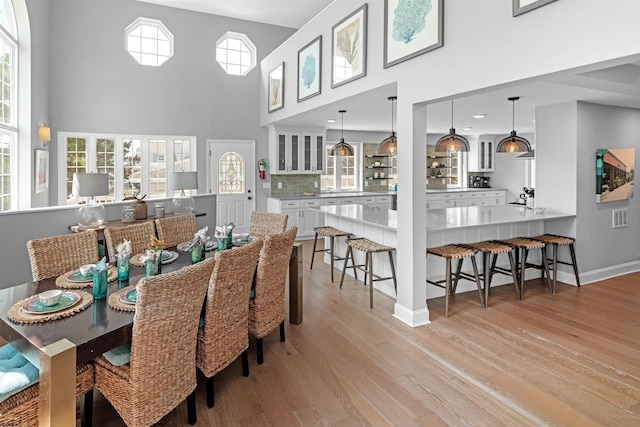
342 148
513 143
389 146
452 142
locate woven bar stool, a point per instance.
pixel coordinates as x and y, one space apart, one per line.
369 248
331 233
459 253
552 239
523 245
490 249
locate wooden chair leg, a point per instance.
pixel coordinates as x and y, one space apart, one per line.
393 273
447 287
331 242
575 264
346 260
87 410
454 287
259 351
192 417
477 277
545 268
514 273
555 268
209 387
282 331
486 262
313 253
370 271
245 363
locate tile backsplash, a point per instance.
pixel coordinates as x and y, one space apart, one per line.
294 184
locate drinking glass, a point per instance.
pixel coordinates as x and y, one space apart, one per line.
197 253
123 267
150 267
100 284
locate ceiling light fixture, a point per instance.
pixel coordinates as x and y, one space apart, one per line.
389 145
452 142
342 148
513 143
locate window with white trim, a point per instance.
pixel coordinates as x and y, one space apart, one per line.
8 108
236 54
343 173
136 164
149 42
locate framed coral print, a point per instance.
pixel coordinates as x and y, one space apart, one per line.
349 48
41 178
524 6
276 88
309 69
411 28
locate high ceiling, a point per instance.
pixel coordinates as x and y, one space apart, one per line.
613 84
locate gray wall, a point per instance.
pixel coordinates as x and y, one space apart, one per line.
96 86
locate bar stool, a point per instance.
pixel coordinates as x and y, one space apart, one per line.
449 252
490 249
369 247
552 239
523 245
331 233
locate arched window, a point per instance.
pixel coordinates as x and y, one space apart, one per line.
8 107
231 173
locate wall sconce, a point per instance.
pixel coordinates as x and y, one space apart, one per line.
44 134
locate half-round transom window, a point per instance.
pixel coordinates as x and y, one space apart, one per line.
235 53
149 42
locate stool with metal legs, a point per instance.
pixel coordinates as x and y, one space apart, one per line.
449 252
369 248
552 239
331 233
522 247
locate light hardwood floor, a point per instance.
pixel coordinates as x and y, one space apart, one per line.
570 359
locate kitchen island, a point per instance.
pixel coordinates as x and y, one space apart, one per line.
444 226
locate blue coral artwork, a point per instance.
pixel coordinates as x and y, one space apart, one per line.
309 66
411 28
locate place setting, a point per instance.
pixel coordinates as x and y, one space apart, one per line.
49 305
124 299
156 248
82 277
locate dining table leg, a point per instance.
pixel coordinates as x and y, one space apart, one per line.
295 284
58 384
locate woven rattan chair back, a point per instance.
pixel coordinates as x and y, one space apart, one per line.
176 229
265 223
267 309
138 234
225 336
52 256
162 371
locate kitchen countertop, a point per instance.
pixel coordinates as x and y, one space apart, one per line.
376 193
462 190
443 219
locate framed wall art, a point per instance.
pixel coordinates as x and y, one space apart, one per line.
411 29
615 173
309 69
349 48
276 88
41 177
524 6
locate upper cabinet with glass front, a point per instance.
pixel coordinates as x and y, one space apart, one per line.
481 153
295 152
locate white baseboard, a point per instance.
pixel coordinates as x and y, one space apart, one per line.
411 317
600 274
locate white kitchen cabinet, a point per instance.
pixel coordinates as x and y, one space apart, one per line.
295 152
312 152
481 154
465 198
384 201
298 214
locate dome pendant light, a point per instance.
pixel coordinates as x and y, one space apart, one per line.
452 142
342 148
389 146
513 143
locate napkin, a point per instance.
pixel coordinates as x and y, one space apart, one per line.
222 231
150 254
100 266
156 244
123 249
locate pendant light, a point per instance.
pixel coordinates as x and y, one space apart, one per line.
389 146
452 142
342 148
513 143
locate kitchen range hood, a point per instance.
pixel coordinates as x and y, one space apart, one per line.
528 155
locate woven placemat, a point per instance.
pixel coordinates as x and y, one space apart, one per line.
135 260
17 315
62 281
115 303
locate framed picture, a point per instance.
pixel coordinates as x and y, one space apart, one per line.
615 170
411 29
276 88
309 69
524 6
349 48
41 177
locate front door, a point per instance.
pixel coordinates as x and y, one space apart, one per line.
233 180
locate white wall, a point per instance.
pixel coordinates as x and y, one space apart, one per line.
509 171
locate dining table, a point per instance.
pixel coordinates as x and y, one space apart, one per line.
57 346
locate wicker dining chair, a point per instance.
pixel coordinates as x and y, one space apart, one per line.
267 308
224 335
265 223
23 408
162 371
174 230
52 256
138 234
